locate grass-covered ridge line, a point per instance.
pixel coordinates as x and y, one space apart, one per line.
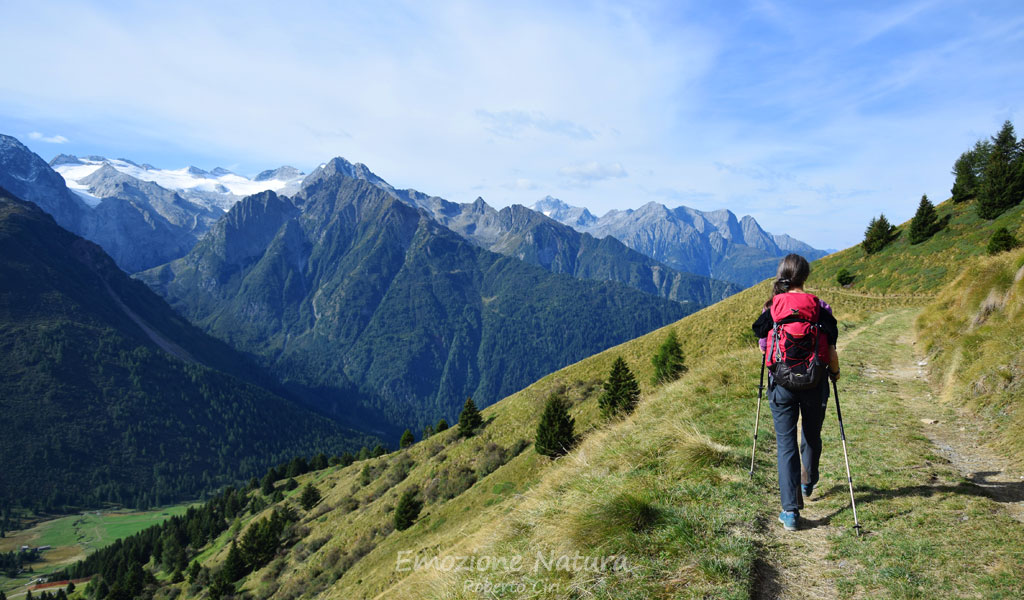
905 268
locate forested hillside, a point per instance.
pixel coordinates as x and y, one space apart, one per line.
109 396
371 310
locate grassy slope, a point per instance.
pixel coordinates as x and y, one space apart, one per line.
902 268
666 487
974 334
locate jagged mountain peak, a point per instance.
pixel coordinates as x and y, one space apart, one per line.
29 177
339 166
712 243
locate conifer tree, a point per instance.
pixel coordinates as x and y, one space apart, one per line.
428 431
193 571
310 496
969 170
555 432
319 462
668 361
379 450
297 466
234 566
441 426
878 234
221 587
408 509
1001 241
621 391
926 222
1003 182
469 419
406 440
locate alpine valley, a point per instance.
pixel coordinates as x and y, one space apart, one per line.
332 302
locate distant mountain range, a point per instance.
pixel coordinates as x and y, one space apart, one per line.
108 395
532 237
715 244
362 303
218 188
142 216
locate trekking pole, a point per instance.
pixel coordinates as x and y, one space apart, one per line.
757 416
846 457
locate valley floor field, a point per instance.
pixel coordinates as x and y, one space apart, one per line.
72 537
935 505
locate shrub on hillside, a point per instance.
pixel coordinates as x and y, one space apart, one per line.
449 483
408 509
492 457
844 277
1001 241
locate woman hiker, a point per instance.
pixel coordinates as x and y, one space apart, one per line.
798 336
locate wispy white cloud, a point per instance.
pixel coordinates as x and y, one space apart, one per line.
590 172
519 185
513 123
840 112
49 139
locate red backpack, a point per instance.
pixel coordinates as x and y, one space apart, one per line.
797 348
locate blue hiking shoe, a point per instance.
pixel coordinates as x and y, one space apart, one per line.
807 489
789 519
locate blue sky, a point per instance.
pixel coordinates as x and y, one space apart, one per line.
812 117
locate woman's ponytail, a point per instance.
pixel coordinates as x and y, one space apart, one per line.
793 271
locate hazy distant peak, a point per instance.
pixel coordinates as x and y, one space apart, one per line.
573 216
65 159
281 173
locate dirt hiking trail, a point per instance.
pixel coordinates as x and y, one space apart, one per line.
920 476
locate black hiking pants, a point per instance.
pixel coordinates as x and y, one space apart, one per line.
786 406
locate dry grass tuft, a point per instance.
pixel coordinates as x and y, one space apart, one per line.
700 451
